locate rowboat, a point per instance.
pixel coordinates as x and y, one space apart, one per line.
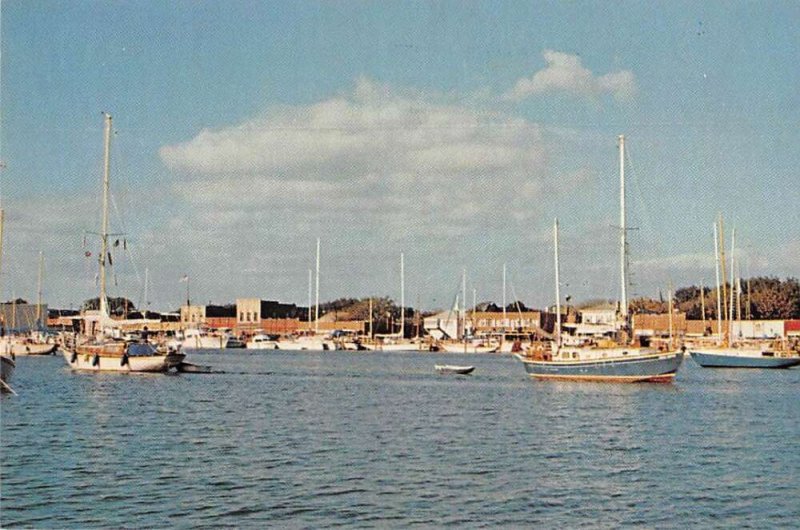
453 369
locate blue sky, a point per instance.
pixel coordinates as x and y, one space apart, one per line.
452 131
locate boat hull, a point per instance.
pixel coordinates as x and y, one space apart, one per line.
450 369
7 366
732 360
454 347
112 362
27 348
655 368
204 343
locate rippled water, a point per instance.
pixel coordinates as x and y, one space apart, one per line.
320 440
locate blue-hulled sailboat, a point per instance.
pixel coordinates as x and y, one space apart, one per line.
603 360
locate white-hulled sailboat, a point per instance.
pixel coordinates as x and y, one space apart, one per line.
603 361
727 352
96 350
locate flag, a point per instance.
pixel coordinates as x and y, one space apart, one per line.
87 254
185 278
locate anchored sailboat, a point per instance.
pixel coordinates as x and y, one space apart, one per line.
96 350
605 361
728 352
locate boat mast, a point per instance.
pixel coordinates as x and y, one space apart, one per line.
669 305
39 292
464 304
316 309
733 286
104 228
703 305
504 298
402 298
724 334
716 273
146 282
2 219
309 299
623 231
558 287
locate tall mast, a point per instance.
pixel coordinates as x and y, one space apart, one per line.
104 228
309 299
722 277
370 317
2 218
703 305
558 286
504 295
402 298
316 309
39 291
733 286
623 230
669 305
464 302
146 281
716 273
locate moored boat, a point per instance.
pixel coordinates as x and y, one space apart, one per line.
454 369
97 349
7 365
623 365
602 361
744 358
262 341
26 345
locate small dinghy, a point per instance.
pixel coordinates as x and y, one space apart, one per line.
451 369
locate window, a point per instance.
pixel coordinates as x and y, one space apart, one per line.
241 316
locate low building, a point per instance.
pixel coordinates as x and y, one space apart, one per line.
605 313
193 315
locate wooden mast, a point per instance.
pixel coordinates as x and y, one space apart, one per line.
558 287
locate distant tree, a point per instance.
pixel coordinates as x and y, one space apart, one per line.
647 306
116 306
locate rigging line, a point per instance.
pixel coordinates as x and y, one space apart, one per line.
644 218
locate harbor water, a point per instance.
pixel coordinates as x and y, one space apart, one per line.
312 440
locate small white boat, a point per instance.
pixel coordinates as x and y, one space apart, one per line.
198 339
469 347
453 369
26 345
262 342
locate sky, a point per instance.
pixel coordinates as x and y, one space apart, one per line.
453 132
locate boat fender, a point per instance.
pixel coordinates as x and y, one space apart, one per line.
27 349
95 360
683 348
125 360
74 357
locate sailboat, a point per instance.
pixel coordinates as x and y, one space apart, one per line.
32 342
396 342
729 353
602 361
310 342
96 350
7 361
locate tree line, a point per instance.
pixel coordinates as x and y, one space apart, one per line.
762 298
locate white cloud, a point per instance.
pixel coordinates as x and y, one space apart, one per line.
565 73
402 164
